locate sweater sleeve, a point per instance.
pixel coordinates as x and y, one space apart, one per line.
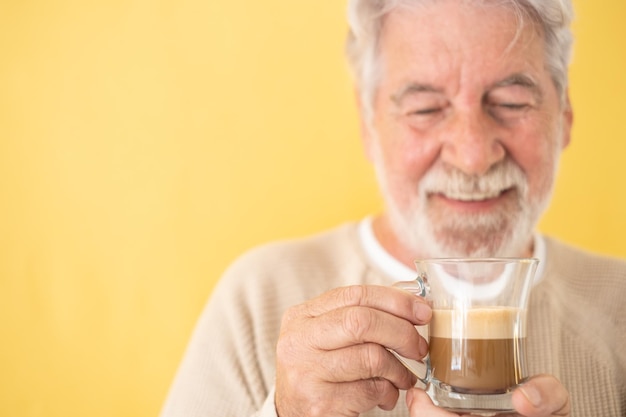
228 367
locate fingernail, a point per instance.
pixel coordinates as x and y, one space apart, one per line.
531 394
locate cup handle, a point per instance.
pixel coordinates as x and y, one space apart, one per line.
421 369
419 286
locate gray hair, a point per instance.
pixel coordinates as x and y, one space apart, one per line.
365 18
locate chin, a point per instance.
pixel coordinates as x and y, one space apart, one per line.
504 235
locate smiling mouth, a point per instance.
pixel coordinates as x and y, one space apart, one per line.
473 196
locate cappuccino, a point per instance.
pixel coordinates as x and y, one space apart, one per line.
478 351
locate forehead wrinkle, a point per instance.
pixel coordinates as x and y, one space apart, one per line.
412 61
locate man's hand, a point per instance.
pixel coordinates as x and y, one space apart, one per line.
540 396
331 356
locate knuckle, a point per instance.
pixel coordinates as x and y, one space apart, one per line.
290 315
358 322
379 387
290 343
354 294
317 409
284 350
374 359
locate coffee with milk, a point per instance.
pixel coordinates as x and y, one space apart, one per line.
477 351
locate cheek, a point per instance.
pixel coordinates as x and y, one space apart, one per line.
407 158
405 152
400 169
537 154
402 156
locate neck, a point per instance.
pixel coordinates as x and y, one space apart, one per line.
387 238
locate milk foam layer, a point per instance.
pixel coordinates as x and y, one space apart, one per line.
478 323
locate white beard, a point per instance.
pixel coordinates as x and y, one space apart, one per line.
504 232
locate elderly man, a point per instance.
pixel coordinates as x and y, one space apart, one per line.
465 113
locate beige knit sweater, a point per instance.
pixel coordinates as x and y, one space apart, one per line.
577 325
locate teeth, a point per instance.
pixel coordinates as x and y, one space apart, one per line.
471 196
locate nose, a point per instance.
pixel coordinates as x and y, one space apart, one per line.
471 143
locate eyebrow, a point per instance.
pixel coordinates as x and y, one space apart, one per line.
518 79
522 80
412 89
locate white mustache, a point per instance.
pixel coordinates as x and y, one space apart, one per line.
457 185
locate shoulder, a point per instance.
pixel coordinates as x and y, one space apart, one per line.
291 271
581 267
328 249
586 282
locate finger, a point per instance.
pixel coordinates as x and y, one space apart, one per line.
334 399
370 393
542 395
362 362
392 300
389 395
356 325
420 405
357 397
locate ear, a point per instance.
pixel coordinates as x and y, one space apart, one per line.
365 125
568 121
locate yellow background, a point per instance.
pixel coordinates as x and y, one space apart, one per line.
144 144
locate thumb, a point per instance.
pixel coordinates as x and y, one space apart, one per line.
541 396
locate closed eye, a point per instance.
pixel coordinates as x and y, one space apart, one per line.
512 106
426 111
509 111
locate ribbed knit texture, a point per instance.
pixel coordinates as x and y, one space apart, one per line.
577 326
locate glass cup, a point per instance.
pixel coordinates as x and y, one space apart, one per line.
477 335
